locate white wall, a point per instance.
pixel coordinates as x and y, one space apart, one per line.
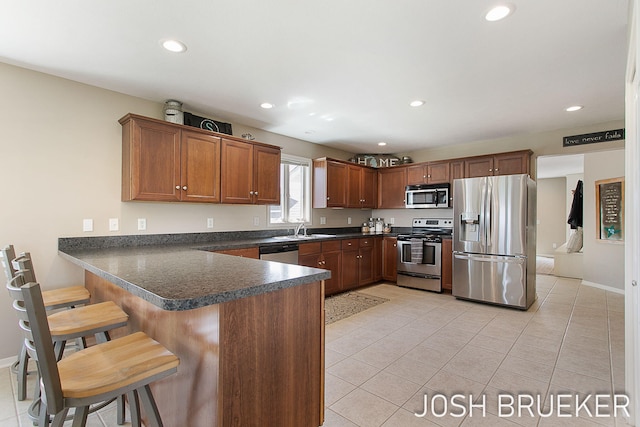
551 214
61 159
603 260
542 144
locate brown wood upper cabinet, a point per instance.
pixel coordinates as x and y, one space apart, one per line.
391 187
329 183
428 173
340 184
250 173
362 188
515 162
165 162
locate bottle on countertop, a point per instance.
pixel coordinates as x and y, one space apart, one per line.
365 227
387 228
379 225
372 225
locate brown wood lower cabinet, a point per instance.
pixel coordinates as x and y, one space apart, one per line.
390 259
243 252
357 262
326 255
447 264
254 361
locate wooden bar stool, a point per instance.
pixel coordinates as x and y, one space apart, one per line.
125 365
71 296
95 319
68 297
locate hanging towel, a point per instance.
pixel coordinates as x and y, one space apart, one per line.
416 251
575 214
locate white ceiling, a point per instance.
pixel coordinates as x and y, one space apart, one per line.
342 73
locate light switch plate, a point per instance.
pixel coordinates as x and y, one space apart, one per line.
209 222
348 220
323 220
256 220
87 224
114 224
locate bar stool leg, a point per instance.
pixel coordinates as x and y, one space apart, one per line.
149 405
23 366
80 416
134 408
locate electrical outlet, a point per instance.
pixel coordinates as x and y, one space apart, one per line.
348 220
209 222
113 224
87 225
392 220
142 224
555 245
256 221
323 220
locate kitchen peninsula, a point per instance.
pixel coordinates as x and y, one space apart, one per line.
249 333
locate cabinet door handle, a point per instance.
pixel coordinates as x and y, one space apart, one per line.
328 197
490 170
255 193
177 187
184 188
251 193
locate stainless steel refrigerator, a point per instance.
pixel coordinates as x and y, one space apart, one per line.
494 240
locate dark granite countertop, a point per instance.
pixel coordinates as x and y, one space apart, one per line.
183 278
178 272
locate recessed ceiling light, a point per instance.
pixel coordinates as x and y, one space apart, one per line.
382 143
574 108
417 103
266 105
174 46
499 12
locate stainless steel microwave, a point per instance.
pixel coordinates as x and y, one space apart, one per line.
427 196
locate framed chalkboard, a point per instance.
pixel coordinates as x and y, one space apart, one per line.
610 209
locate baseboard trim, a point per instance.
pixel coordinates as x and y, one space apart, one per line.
604 287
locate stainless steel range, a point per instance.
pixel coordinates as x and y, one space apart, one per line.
420 253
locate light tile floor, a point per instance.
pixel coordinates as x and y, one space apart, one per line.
380 363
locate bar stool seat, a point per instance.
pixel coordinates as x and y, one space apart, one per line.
87 320
71 296
125 365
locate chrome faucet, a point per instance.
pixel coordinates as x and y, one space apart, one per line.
300 226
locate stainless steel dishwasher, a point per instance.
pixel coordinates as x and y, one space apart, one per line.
284 252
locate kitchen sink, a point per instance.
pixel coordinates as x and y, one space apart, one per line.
304 237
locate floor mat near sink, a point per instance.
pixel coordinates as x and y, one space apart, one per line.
344 305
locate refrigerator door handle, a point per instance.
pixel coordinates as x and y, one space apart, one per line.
518 259
487 213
